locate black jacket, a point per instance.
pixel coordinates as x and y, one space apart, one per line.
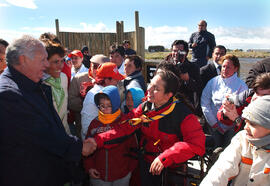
35 149
204 39
192 88
207 72
135 80
86 61
258 68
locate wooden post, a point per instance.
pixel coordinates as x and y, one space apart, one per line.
136 44
141 43
57 27
122 32
117 31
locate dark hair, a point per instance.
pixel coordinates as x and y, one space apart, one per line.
171 81
138 62
233 58
3 42
221 47
126 41
100 96
118 49
262 81
204 22
168 66
84 48
101 81
181 42
53 48
49 36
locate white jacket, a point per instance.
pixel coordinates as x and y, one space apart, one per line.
81 70
242 162
214 93
89 109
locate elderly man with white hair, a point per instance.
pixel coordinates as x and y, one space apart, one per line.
35 149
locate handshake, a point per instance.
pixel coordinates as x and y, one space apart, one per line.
89 146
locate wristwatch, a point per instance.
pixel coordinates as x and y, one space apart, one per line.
237 120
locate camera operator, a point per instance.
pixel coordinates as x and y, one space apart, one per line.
189 73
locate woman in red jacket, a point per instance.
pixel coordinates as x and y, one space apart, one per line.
171 134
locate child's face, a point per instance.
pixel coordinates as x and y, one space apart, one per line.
105 106
129 101
256 131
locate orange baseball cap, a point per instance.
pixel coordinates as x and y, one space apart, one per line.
109 70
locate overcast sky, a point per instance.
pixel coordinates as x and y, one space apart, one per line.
241 24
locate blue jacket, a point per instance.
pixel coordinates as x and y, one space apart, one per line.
35 149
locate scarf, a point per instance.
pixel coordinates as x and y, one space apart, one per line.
108 118
58 92
146 119
263 143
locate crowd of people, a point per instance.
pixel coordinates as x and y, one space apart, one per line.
69 118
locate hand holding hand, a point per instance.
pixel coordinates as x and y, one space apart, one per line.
156 167
94 173
89 146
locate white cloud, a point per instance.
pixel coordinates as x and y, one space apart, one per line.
242 38
23 3
164 35
232 38
99 27
4 5
9 35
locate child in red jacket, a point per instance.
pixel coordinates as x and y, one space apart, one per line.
110 166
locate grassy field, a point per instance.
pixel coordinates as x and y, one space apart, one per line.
162 55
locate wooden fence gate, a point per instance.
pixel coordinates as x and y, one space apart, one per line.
99 43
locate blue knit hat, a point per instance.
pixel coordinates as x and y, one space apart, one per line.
137 95
113 94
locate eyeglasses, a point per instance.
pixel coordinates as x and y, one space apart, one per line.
95 65
201 25
102 107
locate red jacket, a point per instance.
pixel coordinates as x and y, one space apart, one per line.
175 138
67 70
225 120
114 163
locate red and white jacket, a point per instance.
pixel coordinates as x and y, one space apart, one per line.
113 163
175 138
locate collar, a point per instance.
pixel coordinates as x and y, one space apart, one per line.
184 62
134 75
81 69
260 143
108 118
45 76
153 115
230 79
216 64
150 106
